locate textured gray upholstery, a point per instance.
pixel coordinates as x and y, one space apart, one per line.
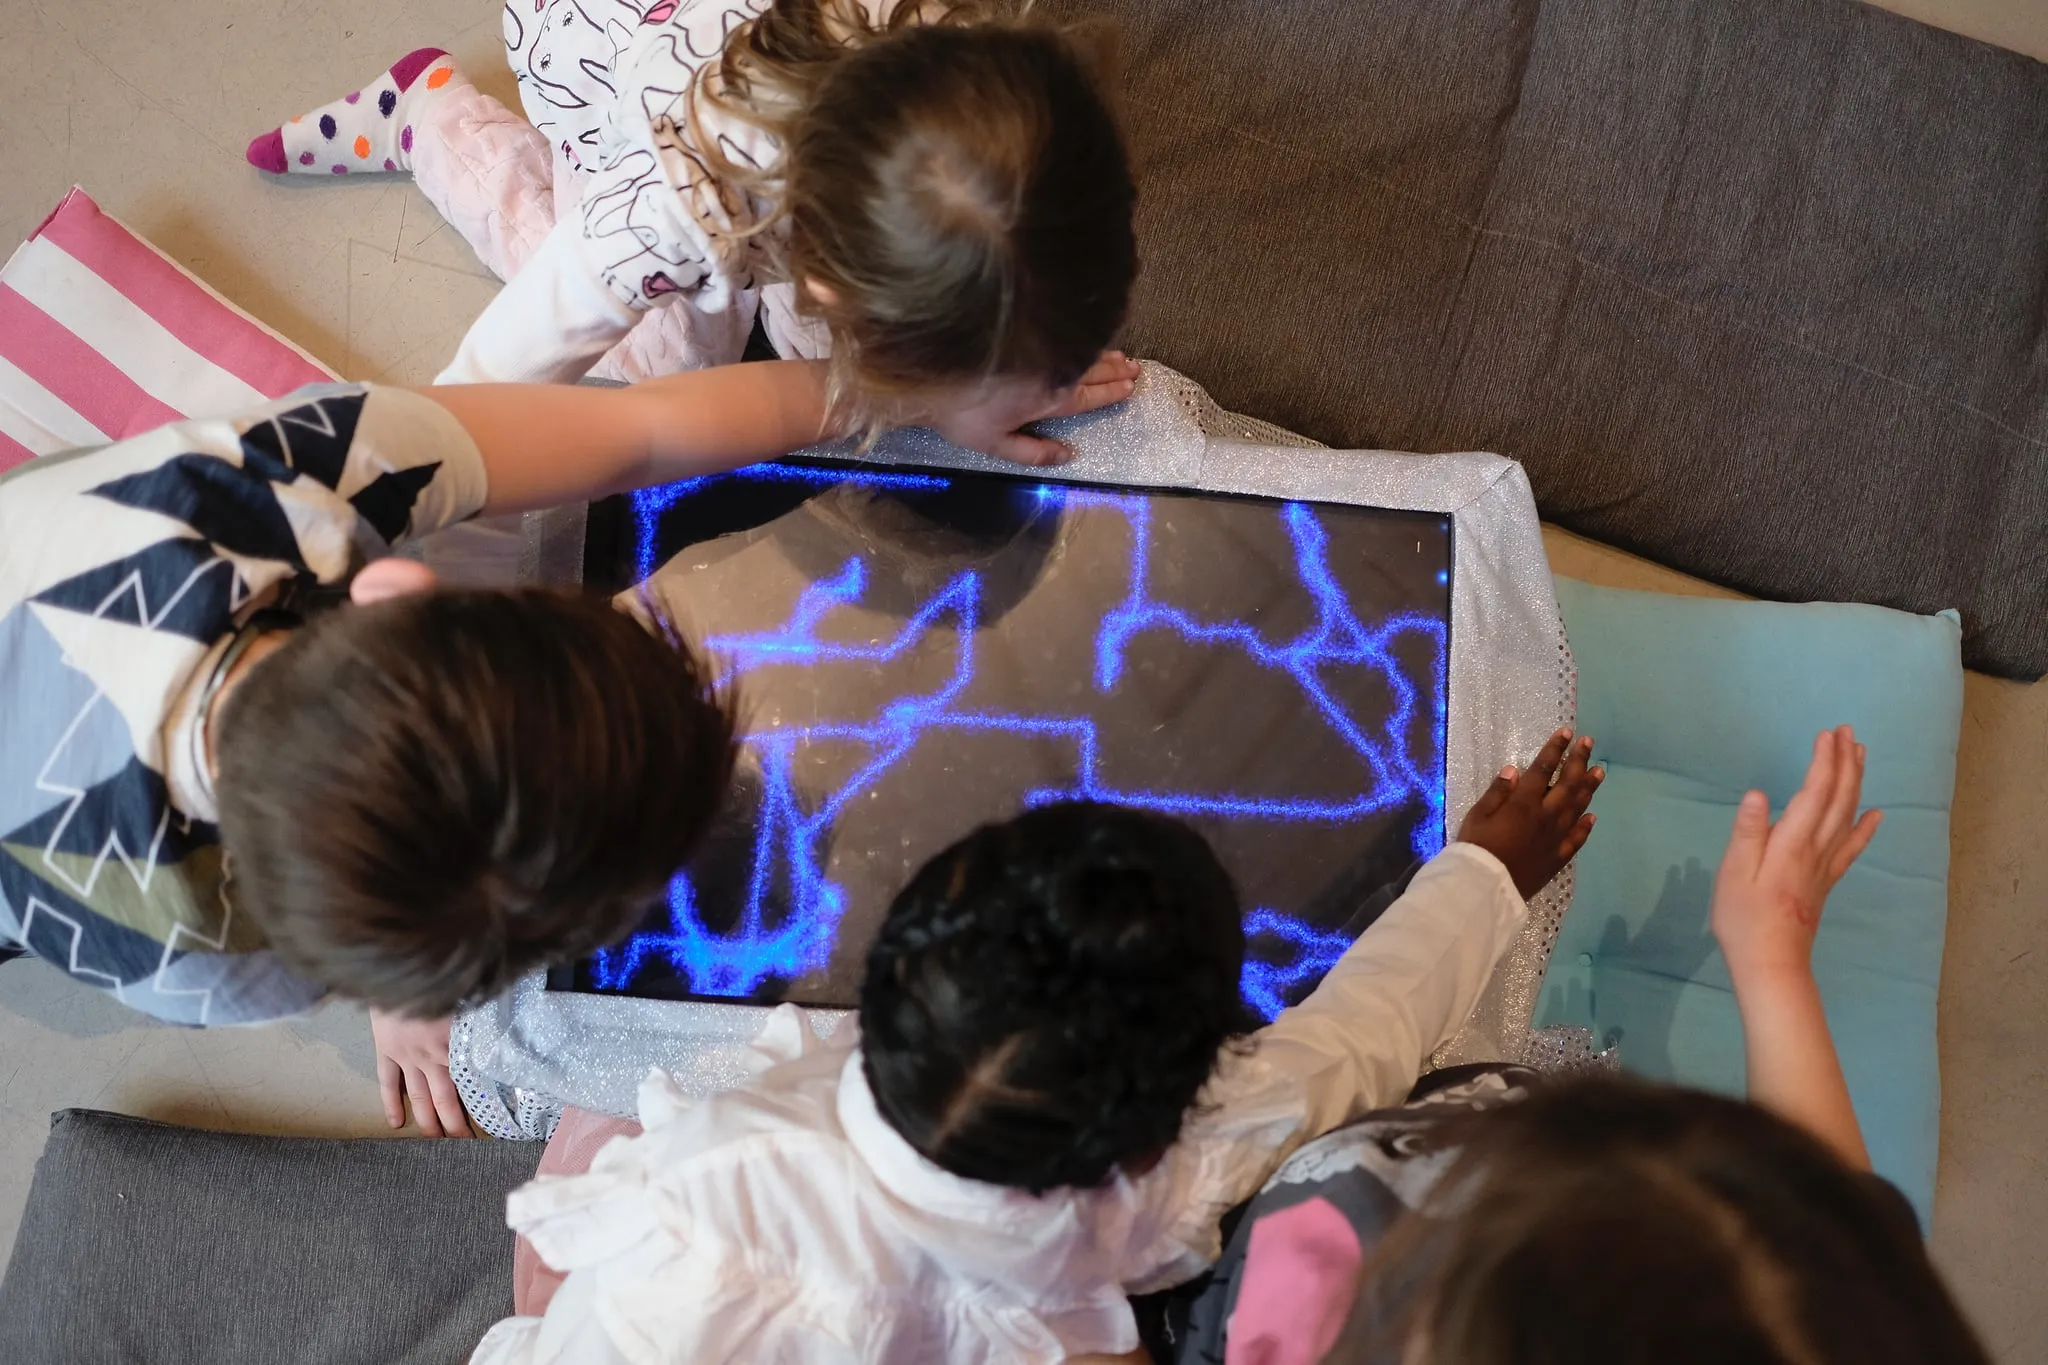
1752 287
147 1243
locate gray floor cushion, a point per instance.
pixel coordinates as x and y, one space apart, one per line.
1752 287
144 1242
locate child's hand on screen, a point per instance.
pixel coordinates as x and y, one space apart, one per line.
1533 824
990 416
1775 878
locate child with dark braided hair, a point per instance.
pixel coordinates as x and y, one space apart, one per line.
1050 1103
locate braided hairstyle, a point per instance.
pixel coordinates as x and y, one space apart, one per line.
1049 995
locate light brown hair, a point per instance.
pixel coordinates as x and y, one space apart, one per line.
425 798
954 179
1620 1223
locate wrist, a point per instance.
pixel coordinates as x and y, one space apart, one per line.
1755 973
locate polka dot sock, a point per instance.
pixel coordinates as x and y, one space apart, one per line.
365 130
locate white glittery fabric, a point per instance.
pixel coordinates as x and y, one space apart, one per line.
1512 683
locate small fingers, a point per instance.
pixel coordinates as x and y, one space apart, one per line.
1089 397
1572 790
447 1103
391 1087
1536 781
1497 792
1111 365
1111 379
1803 812
1851 848
1748 839
1847 791
420 1093
1021 448
1575 838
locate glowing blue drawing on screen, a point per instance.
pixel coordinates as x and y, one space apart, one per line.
650 503
788 838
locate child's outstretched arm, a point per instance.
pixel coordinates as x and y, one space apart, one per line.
545 445
1768 896
1409 982
548 444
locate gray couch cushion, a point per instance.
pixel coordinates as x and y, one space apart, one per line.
1752 287
144 1242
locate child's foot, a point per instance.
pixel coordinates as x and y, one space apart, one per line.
1535 826
365 130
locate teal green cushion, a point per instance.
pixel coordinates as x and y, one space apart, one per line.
1691 702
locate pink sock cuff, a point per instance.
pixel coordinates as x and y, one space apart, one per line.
407 69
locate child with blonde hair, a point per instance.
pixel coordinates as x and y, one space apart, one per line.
930 192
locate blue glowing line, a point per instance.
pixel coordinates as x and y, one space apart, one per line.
649 503
1268 984
789 839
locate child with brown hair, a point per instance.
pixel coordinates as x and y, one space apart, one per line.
927 190
221 812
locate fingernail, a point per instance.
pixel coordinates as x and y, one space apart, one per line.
1591 819
1510 772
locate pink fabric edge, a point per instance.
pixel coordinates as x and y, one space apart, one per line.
13 452
84 380
575 1144
182 304
1300 1276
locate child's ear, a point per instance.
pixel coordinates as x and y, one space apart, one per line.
384 579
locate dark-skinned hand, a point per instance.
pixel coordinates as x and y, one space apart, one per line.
1535 819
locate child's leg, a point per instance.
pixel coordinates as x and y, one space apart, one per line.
486 169
563 52
489 173
679 337
371 129
550 323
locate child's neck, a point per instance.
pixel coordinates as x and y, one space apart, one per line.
259 649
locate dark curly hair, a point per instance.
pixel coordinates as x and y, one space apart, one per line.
1049 995
425 798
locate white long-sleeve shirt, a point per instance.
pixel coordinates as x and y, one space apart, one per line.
787 1222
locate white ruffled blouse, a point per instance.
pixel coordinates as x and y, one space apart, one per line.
787 1222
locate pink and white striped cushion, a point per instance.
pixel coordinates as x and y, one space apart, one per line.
103 336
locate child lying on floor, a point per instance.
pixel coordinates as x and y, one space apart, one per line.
948 187
222 814
1015 1141
1500 1219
